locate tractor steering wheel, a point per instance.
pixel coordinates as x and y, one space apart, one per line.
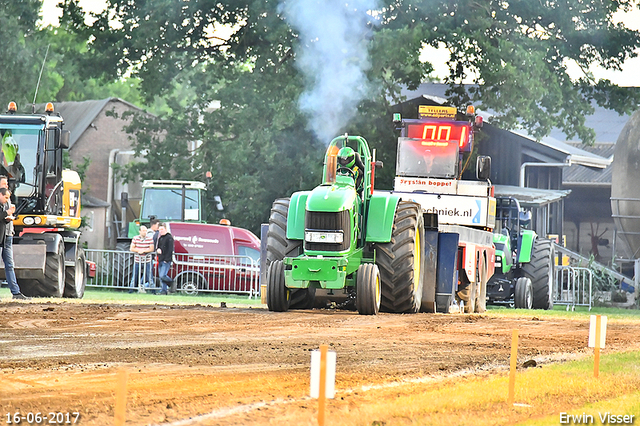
347 171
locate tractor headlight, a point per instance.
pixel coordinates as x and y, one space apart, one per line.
323 237
38 220
28 221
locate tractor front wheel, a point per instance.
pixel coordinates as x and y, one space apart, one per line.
541 271
278 295
368 289
279 247
523 295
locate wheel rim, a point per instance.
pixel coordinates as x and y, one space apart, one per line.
190 288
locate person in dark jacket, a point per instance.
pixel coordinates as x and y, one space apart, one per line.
6 223
153 232
7 245
5 196
165 257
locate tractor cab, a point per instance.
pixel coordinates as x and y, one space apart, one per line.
170 201
510 221
358 173
524 266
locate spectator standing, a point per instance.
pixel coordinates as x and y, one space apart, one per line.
142 247
165 257
153 232
7 245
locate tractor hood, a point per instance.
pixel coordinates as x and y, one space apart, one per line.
331 198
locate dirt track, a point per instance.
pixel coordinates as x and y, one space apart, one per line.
246 366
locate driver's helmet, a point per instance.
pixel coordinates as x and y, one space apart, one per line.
346 157
525 218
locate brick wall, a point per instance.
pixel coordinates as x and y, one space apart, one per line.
105 134
98 140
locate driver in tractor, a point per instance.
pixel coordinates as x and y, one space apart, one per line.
350 159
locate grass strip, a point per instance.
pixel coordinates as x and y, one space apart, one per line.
580 312
542 394
99 295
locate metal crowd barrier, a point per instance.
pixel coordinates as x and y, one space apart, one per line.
192 274
573 287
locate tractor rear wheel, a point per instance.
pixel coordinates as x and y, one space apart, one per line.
368 289
523 295
401 262
75 280
279 247
122 265
277 293
541 271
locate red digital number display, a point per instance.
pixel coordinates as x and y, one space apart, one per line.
440 132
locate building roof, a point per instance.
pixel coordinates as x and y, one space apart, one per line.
580 175
531 197
89 201
78 116
576 154
605 122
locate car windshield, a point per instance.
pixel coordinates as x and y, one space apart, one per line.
19 156
250 256
165 204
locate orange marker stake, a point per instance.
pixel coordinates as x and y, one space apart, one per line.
323 383
121 398
596 348
512 372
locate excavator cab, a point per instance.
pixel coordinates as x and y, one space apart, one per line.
32 147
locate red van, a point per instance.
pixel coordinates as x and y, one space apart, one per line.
220 258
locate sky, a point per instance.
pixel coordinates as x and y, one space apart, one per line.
629 76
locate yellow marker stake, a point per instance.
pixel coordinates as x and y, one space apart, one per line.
596 349
323 383
514 361
121 398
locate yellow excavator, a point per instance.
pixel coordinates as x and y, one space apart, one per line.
48 257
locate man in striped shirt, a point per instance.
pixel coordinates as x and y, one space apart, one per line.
142 247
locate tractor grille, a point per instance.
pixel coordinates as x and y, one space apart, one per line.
329 221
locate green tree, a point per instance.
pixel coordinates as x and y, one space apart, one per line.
48 60
259 142
23 50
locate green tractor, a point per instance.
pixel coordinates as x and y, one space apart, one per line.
345 241
525 263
